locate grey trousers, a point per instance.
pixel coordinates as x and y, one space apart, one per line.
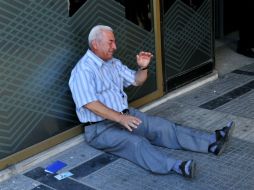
137 146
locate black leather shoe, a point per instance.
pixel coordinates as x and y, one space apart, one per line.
228 130
246 51
191 169
218 147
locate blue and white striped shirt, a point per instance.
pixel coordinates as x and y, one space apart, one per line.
93 79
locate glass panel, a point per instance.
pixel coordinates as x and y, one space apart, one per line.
74 5
139 12
188 37
40 44
36 57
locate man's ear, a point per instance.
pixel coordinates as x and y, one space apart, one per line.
94 45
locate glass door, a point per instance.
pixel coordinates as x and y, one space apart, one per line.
188 40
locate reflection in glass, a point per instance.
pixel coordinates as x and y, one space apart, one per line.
74 5
138 12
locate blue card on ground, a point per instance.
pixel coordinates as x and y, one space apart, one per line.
55 166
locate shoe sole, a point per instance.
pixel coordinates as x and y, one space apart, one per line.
193 169
232 128
227 139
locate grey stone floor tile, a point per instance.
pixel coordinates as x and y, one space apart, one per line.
249 68
214 89
42 187
72 157
19 182
93 165
242 106
192 116
49 180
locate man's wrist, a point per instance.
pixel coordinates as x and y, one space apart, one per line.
143 68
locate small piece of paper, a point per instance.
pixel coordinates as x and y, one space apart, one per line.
55 166
63 175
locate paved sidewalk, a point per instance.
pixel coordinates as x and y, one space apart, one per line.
209 107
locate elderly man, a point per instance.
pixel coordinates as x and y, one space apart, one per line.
97 84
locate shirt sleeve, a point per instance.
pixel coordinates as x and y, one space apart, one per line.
127 74
82 86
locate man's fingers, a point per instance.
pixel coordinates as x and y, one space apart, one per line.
130 122
127 127
136 122
130 126
145 54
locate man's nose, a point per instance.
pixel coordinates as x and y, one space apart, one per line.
114 46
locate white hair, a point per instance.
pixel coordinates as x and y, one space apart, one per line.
96 33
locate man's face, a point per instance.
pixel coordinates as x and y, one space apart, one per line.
106 46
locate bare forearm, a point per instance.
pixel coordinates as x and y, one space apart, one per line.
141 76
100 109
127 121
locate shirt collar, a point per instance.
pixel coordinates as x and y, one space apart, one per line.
98 61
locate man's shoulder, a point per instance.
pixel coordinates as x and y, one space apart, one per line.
85 63
82 68
116 60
